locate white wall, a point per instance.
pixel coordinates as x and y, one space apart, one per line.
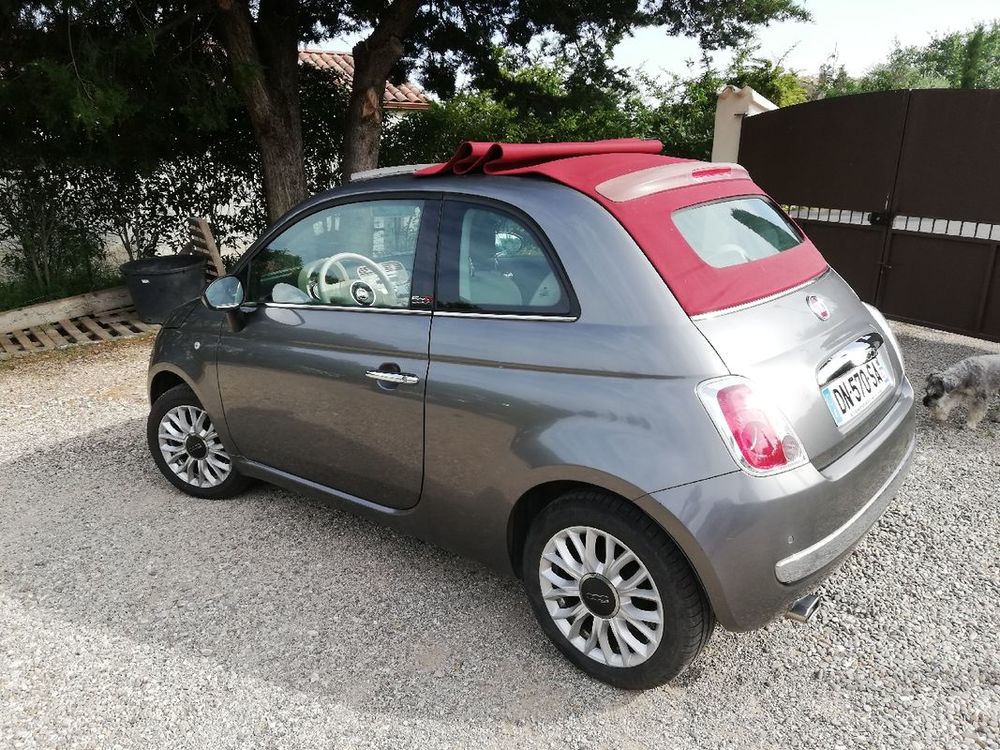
731 107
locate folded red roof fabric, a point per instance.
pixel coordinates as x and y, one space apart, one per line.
498 158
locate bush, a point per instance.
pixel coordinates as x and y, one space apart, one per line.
148 212
48 239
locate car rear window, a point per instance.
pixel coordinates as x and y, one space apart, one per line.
736 230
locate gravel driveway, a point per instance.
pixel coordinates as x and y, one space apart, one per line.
133 616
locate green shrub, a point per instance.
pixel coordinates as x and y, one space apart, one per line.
48 240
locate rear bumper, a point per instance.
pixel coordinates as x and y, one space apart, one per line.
759 543
820 554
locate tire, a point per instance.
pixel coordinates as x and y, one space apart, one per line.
663 587
186 426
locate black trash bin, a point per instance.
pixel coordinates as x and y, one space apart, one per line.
161 283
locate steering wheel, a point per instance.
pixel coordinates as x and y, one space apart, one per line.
360 292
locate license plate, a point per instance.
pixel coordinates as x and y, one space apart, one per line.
852 393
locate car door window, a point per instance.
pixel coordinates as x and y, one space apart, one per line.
354 254
491 261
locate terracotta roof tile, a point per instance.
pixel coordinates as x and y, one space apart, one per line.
397 96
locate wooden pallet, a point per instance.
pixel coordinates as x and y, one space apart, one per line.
203 243
111 325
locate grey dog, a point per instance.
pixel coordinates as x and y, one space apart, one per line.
970 383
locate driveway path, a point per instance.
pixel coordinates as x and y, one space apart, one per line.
132 616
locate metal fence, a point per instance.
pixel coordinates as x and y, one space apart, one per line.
901 192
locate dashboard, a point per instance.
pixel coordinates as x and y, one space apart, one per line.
393 269
347 275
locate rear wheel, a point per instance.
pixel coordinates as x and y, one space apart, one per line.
613 592
186 447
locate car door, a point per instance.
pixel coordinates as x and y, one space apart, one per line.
496 379
325 380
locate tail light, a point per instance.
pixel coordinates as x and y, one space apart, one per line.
754 430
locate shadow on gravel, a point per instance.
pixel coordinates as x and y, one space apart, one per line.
275 587
923 357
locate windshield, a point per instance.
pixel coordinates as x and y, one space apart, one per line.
737 230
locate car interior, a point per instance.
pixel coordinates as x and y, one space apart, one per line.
735 231
354 255
501 264
362 255
480 280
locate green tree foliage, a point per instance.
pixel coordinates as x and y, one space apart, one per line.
960 60
685 118
555 100
84 82
131 80
544 100
324 99
149 111
55 224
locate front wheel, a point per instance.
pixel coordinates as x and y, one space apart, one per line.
186 447
613 592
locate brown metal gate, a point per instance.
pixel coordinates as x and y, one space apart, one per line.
901 192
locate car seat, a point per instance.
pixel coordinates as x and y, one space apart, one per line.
479 281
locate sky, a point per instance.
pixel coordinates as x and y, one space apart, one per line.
860 32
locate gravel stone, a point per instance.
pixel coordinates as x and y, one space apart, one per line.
132 616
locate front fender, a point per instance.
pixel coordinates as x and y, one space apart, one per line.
188 354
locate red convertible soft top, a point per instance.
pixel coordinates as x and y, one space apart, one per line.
642 189
514 158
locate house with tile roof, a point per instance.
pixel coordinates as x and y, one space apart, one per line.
398 96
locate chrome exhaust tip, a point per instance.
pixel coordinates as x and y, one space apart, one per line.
802 610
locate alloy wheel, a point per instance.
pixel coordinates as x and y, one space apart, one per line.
601 596
191 447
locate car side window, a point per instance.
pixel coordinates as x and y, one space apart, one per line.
353 254
490 261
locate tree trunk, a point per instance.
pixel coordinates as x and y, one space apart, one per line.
264 59
282 163
374 57
364 118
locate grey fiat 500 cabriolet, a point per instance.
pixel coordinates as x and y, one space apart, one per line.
626 378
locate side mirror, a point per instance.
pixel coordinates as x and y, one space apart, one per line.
226 295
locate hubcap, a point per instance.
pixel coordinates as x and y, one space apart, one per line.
191 447
195 447
600 596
